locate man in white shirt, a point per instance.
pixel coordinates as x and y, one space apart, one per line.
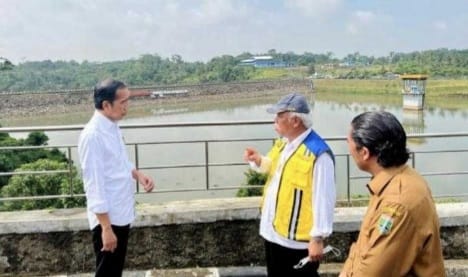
108 177
299 195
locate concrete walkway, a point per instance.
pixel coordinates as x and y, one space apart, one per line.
454 268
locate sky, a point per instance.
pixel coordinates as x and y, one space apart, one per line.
198 30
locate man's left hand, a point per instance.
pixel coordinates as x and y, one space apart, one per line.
146 181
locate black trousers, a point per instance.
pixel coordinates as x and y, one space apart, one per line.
110 264
280 261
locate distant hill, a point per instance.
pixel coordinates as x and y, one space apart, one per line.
155 70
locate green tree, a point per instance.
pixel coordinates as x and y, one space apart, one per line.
12 159
3 135
253 178
43 184
151 69
5 64
311 69
36 138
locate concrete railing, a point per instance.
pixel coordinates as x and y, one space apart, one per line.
182 234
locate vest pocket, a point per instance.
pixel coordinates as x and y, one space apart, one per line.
300 174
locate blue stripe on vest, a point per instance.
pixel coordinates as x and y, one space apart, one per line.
317 145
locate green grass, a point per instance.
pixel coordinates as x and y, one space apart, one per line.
452 88
277 73
447 94
434 87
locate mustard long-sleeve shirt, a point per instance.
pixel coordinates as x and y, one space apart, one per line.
399 234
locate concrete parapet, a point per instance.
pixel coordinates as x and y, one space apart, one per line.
454 268
182 234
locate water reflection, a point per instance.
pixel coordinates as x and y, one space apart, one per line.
311 99
413 122
161 111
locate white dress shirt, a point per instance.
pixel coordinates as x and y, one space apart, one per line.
107 172
323 198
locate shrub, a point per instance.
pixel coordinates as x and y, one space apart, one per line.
42 184
253 178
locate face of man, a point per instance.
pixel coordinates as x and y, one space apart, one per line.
118 109
283 124
357 154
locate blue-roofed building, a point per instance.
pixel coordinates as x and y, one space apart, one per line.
264 61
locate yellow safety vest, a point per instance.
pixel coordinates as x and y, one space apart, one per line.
294 215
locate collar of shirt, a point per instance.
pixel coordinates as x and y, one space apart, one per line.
292 145
104 122
380 181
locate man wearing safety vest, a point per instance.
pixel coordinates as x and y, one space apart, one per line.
299 195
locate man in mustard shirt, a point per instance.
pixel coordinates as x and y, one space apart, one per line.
399 235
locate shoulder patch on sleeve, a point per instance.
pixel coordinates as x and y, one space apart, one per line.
385 224
391 211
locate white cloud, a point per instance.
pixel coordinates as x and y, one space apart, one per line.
440 25
200 31
216 11
102 30
352 28
364 17
314 8
360 21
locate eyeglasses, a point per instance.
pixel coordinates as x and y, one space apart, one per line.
326 250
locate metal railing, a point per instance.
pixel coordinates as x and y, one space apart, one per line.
206 165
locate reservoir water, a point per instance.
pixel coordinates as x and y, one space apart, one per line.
330 119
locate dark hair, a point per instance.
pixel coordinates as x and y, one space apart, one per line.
106 90
383 135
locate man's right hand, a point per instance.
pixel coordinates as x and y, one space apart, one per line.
252 155
109 240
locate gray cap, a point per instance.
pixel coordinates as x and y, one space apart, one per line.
293 102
